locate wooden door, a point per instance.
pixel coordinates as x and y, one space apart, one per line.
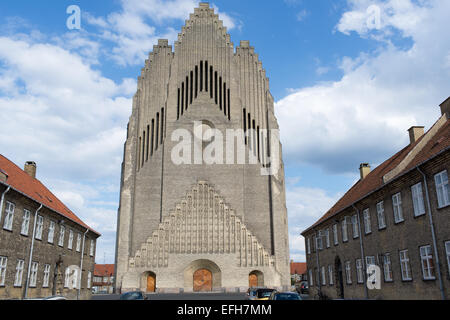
202 280
252 280
151 283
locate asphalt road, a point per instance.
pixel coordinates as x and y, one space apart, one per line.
183 296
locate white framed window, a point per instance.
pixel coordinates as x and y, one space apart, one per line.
33 274
66 278
348 272
89 277
25 222
380 215
397 206
62 230
417 197
387 267
370 260
367 223
310 278
405 266
70 243
327 238
92 247
19 273
78 242
9 216
51 231
324 276
75 279
335 234
355 226
330 275
319 241
39 227
447 253
308 245
426 258
359 271
442 189
3 265
46 279
344 230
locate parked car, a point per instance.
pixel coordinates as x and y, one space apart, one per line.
263 294
55 298
284 296
133 295
303 288
49 298
251 293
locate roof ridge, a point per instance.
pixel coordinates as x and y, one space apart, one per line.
418 146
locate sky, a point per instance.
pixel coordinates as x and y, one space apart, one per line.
349 77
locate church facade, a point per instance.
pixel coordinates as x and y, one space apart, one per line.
194 225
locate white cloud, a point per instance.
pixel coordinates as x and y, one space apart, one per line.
302 15
71 120
139 24
363 117
305 206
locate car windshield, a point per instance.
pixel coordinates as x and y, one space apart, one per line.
130 296
264 293
287 296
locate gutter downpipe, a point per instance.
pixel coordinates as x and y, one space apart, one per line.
81 266
317 262
366 292
3 198
31 252
433 235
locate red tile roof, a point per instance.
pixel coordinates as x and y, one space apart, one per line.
101 270
34 189
298 267
438 143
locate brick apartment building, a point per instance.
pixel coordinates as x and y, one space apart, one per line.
42 242
396 217
103 278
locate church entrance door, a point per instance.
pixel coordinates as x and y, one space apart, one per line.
202 280
151 283
252 280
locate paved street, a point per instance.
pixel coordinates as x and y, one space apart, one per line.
183 296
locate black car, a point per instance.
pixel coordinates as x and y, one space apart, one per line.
303 288
134 295
284 296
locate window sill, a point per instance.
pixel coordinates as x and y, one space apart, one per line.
8 230
398 222
381 229
420 215
429 279
24 235
444 206
407 280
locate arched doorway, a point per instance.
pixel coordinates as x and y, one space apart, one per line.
202 280
151 282
202 275
339 277
255 279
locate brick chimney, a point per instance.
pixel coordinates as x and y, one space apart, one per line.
415 133
364 170
445 107
30 168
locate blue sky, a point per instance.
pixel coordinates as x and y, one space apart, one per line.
348 77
